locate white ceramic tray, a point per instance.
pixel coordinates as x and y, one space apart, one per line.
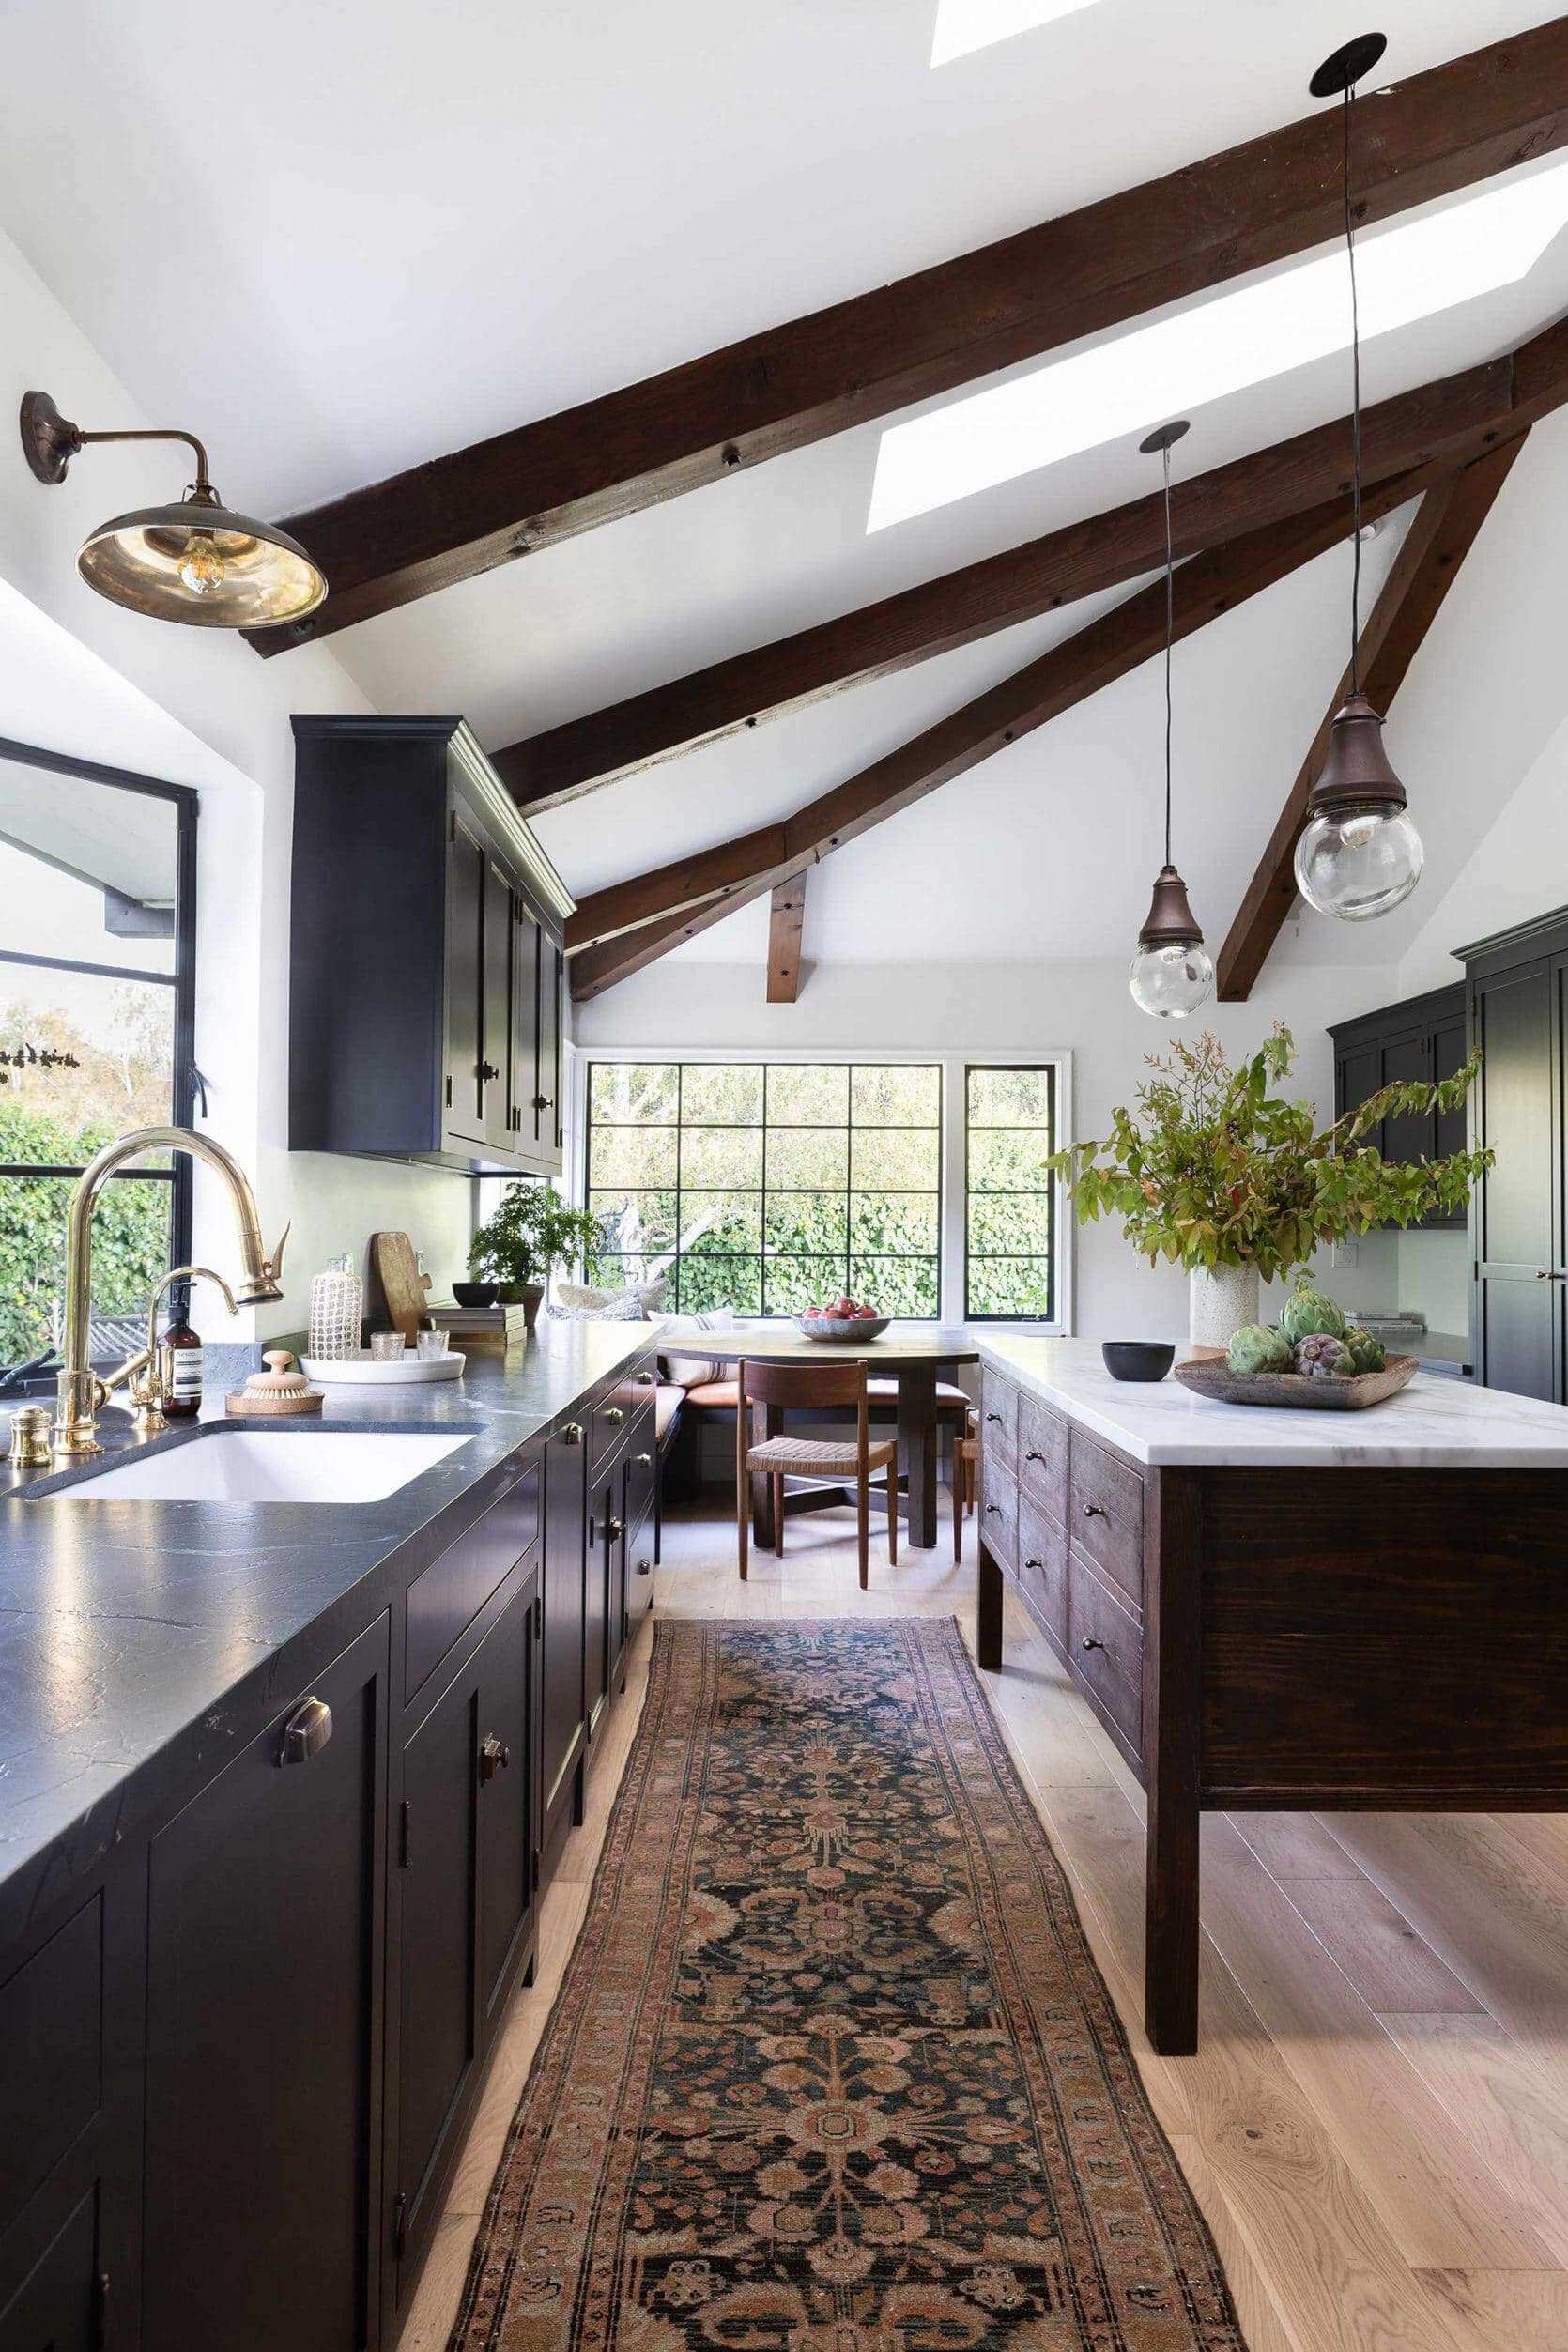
361 1372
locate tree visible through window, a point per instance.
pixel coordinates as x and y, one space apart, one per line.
768 1187
1011 1199
94 994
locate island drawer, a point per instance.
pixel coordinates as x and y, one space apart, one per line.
1042 1456
999 1509
1105 1648
641 1459
444 1601
52 2033
1105 1513
998 1415
610 1418
1042 1566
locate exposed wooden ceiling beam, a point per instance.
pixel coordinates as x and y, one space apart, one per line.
1451 419
1425 570
785 926
459 514
680 900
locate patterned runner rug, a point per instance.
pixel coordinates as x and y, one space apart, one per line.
832 2069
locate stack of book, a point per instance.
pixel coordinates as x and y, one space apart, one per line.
482 1326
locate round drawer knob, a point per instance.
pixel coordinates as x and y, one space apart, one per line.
642 1461
994 1507
615 1413
1038 1565
1093 1511
996 1418
1089 1642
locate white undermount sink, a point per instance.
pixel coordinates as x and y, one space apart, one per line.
273 1466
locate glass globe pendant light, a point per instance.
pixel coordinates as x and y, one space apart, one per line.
1359 854
1171 974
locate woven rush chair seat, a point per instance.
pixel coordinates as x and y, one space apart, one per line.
818 1457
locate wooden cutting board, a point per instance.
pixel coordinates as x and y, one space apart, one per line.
403 1285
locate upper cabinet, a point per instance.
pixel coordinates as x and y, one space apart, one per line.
427 966
1424 1038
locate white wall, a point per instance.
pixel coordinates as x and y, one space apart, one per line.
79 675
992 1008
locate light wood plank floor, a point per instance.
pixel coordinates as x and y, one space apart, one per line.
1376 2122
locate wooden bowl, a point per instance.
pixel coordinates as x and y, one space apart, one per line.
1214 1377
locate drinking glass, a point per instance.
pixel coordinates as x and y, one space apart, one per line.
432 1344
386 1348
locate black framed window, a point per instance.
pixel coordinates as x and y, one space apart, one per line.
769 1187
1010 1129
96 1032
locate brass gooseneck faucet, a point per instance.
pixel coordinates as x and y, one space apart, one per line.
80 1391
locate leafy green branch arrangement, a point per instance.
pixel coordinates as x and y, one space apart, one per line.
1211 1169
531 1231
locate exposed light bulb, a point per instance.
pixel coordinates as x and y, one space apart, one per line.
1357 863
1171 982
201 567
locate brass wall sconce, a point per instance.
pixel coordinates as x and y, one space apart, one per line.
197 561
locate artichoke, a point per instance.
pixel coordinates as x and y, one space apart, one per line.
1366 1353
1308 1311
1322 1357
1258 1347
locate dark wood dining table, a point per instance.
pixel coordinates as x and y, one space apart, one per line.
910 1354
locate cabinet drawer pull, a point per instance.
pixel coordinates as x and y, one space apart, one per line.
488 1070
572 1433
993 1507
540 1102
642 1461
1032 1457
645 1379
996 1418
494 1756
615 1414
1089 1642
1093 1511
306 1733
644 1567
614 1530
1036 1564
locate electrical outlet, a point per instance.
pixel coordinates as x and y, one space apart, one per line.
1346 1253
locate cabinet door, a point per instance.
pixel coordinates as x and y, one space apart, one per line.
495 1068
564 1695
527 938
266 1898
62 2305
1516 1297
437 2007
508 1723
1357 1076
548 1127
604 1529
1409 1135
467 867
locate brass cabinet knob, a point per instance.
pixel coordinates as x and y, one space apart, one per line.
614 1530
306 1733
494 1756
616 1413
644 1567
642 1461
572 1433
645 1379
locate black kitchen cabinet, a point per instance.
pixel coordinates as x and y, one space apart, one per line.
427 968
462 1910
265 1942
564 1700
62 2305
1422 1039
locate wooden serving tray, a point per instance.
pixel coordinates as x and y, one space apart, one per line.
1212 1376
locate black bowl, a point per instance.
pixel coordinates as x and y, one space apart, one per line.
1137 1359
475 1294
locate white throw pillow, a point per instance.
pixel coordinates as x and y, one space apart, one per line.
625 1307
690 1372
580 1298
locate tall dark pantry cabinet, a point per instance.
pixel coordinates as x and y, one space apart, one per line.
1516 987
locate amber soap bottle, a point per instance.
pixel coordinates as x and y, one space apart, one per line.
183 1358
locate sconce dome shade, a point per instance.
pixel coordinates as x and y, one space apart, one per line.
201 563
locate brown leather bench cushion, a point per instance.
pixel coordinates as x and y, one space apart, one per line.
722 1395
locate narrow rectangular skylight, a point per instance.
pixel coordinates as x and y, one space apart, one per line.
965 25
1410 270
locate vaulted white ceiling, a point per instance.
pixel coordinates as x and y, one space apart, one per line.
336 239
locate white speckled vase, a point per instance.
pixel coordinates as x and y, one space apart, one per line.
1219 1299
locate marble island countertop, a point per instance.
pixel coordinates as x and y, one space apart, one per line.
137 1636
1435 1423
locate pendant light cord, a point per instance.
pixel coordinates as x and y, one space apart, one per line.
1170 627
1355 416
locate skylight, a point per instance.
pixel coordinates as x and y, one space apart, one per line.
965 25
1245 336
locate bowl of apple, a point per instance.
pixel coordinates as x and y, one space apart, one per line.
842 1318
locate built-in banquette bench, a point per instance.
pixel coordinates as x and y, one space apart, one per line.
1063 1518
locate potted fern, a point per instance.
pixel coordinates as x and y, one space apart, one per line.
1211 1171
532 1232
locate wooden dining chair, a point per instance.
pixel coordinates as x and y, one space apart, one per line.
810 1387
966 1477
